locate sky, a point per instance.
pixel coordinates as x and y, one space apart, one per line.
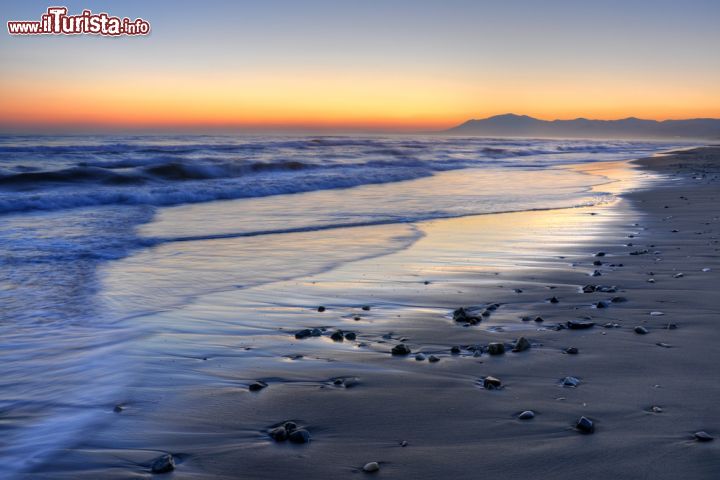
405 65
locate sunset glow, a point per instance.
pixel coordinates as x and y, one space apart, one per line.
199 70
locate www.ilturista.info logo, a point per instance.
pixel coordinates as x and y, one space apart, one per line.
57 22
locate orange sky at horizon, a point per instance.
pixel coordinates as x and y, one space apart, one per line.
324 100
406 65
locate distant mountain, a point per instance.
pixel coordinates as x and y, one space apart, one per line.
511 125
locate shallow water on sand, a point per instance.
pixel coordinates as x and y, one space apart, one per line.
111 304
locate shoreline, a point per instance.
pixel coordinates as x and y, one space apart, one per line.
216 428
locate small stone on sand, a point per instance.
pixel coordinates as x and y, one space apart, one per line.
703 436
641 330
496 348
350 336
491 383
163 464
257 386
401 349
455 350
570 382
433 359
656 314
526 415
299 436
572 351
579 325
366 307
420 357
521 345
337 336
279 434
321 309
371 467
585 425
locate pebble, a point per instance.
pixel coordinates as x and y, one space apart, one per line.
163 464
664 345
366 307
299 436
307 332
588 288
433 359
455 350
257 386
656 314
350 336
600 254
401 349
321 309
641 330
118 408
606 289
420 357
539 319
706 269
526 415
462 314
491 383
337 336
596 273
570 382
585 425
279 434
579 325
371 467
601 304
703 436
496 348
521 345
656 409
404 443
572 351
678 275
553 300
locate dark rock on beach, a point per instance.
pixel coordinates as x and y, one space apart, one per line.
299 436
703 436
257 386
491 383
526 415
522 344
321 309
641 330
585 425
579 324
308 332
337 336
163 464
496 348
401 349
572 351
570 382
464 315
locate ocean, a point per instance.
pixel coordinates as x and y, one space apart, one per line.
96 231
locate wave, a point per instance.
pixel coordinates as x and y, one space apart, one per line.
67 172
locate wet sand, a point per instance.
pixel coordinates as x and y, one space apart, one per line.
360 403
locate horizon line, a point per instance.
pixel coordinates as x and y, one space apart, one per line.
50 129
